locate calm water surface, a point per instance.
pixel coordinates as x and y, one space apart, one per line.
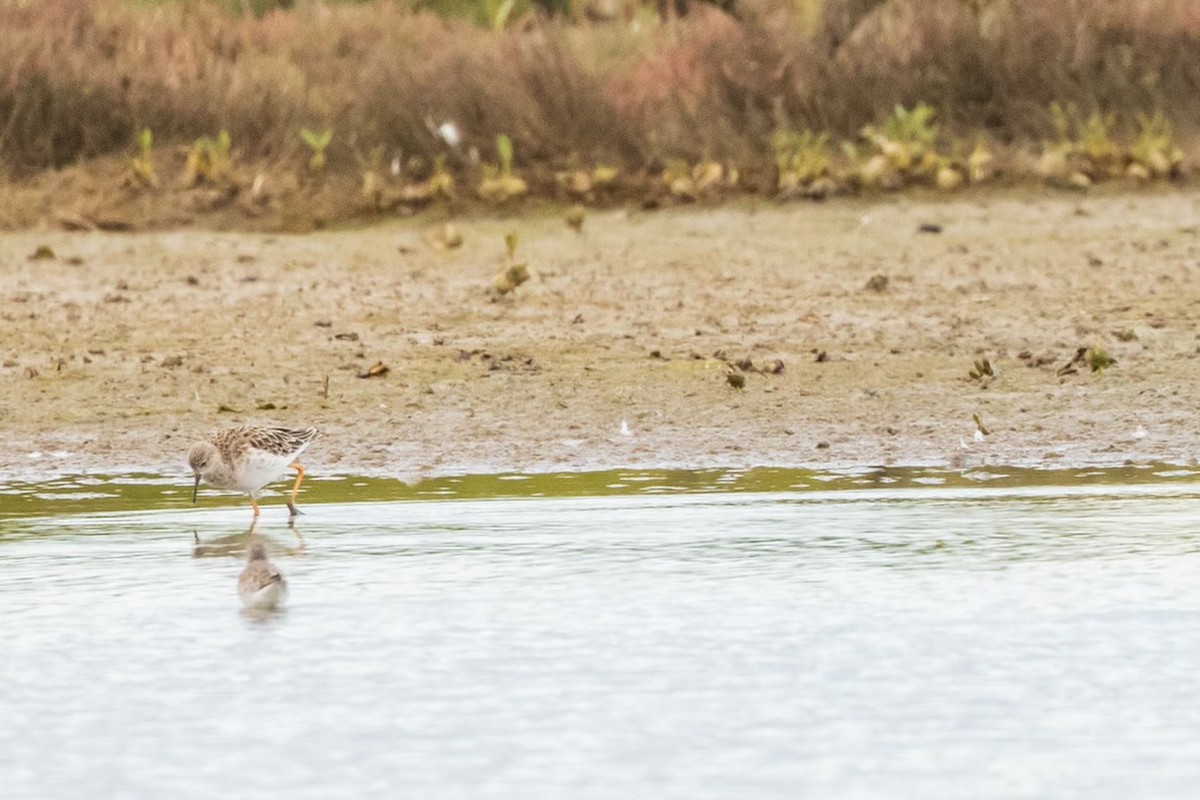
881 643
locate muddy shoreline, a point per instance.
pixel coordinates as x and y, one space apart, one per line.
119 349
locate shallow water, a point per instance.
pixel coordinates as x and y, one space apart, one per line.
1003 642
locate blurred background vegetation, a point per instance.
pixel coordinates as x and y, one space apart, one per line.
408 99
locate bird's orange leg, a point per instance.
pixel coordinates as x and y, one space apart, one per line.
295 487
254 503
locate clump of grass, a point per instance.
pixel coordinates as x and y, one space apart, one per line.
1088 151
1154 151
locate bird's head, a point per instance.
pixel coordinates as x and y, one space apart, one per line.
200 456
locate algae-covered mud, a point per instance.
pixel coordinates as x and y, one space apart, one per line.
857 331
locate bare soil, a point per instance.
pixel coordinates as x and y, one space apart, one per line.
120 349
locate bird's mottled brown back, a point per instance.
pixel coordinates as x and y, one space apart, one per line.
233 442
281 441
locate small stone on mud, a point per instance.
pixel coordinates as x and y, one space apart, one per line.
171 362
324 323
736 379
877 283
822 445
929 227
822 357
42 253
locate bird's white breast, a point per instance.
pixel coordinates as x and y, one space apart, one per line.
258 469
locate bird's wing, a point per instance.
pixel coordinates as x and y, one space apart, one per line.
259 576
283 441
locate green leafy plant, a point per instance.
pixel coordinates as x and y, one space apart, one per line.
1086 143
501 184
913 127
208 160
800 158
905 147
141 166
1154 148
1098 359
317 143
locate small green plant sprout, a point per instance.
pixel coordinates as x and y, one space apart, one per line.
1098 359
208 160
141 166
801 160
441 183
317 143
1154 150
499 185
508 279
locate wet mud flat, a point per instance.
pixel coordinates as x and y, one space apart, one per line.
796 335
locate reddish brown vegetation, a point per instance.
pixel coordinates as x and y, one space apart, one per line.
79 79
